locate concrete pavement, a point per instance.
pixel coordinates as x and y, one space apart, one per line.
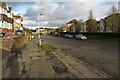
30 63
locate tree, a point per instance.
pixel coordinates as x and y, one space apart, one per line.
113 22
119 6
90 15
92 25
79 26
113 10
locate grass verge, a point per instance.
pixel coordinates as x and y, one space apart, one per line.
46 47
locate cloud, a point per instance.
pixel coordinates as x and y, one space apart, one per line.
60 0
59 13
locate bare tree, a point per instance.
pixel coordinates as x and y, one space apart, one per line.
119 6
113 10
80 20
90 15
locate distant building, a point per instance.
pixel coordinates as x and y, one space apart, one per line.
85 26
41 30
18 22
91 25
62 28
79 27
113 23
102 25
70 26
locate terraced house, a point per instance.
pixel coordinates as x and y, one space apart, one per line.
110 23
6 17
18 22
71 26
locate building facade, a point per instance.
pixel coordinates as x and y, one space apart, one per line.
71 26
102 25
6 17
17 22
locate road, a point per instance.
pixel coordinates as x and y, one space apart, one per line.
100 54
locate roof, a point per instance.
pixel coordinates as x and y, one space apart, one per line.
79 23
111 15
17 16
3 3
90 20
73 21
10 8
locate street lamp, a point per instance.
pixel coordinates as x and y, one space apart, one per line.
38 27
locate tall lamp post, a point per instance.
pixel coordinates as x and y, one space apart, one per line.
39 37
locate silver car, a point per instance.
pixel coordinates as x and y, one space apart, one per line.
68 36
80 36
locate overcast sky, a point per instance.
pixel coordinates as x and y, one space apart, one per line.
58 13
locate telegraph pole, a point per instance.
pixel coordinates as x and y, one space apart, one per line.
39 36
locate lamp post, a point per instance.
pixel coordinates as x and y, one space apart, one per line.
39 37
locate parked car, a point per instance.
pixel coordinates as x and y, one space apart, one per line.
80 36
68 36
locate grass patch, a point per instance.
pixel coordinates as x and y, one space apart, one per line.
46 47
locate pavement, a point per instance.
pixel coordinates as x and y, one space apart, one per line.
30 63
35 61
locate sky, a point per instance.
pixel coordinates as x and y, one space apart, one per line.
57 13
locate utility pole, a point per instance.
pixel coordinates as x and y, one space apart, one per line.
39 36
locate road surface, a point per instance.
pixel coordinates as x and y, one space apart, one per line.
100 54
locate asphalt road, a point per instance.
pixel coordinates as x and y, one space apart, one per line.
101 54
